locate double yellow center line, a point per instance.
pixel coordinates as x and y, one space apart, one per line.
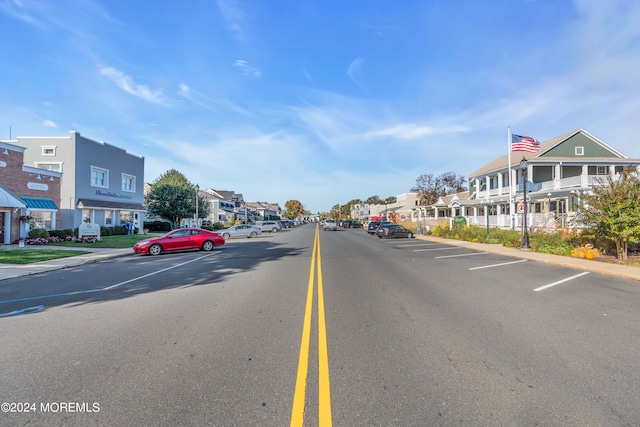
324 389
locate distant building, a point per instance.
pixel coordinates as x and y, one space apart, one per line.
101 183
29 196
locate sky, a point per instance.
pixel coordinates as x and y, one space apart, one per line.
320 101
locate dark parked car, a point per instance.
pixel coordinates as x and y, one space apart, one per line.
373 226
179 240
391 231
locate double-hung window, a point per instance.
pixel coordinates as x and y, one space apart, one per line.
99 177
128 183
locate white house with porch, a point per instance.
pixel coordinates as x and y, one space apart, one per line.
558 176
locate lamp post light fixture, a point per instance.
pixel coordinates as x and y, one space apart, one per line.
196 217
523 166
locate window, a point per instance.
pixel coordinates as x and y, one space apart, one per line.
48 150
99 177
40 219
55 167
579 151
86 215
128 183
602 170
108 217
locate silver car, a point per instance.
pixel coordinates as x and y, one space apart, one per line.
240 230
330 224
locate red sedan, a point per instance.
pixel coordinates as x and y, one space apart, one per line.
179 240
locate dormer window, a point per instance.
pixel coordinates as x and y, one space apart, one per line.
579 151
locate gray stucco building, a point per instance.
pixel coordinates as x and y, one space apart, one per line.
101 183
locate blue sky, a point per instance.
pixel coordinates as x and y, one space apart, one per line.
322 101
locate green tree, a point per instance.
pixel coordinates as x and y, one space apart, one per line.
173 197
374 200
294 209
335 211
612 212
433 187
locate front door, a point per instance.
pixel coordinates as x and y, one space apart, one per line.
2 227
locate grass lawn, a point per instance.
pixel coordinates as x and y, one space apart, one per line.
27 256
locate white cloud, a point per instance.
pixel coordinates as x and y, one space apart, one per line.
127 84
246 69
411 131
49 124
233 16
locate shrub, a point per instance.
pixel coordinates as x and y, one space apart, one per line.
554 243
38 233
60 234
157 226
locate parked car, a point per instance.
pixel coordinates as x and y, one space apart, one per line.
269 226
330 224
241 230
392 231
179 240
373 226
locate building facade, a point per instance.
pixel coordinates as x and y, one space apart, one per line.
557 178
29 196
101 183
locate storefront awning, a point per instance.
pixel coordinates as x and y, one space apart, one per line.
41 203
9 200
102 204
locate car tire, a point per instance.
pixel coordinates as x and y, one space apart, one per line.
409 235
274 230
155 250
253 234
226 236
207 246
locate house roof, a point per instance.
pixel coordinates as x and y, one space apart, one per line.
543 155
103 204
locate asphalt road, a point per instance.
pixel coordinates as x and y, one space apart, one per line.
404 333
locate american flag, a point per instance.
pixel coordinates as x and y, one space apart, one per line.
524 143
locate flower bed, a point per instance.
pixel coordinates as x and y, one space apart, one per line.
56 239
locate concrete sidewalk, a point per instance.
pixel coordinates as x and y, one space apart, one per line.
8 271
565 261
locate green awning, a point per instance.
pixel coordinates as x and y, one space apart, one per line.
39 203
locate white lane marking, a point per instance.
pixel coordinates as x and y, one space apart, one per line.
453 256
156 272
541 288
88 291
438 249
418 244
498 265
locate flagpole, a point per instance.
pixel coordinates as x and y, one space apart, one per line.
511 205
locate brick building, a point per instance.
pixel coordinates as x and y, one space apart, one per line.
28 195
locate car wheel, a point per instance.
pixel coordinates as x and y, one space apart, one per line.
274 230
226 236
409 235
155 250
207 246
253 234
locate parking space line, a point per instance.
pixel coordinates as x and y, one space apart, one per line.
453 256
413 245
541 288
498 265
438 249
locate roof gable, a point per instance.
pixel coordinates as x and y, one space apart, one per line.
591 147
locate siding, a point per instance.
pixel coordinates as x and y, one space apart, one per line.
591 148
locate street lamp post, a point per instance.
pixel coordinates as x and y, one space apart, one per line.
525 240
196 217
